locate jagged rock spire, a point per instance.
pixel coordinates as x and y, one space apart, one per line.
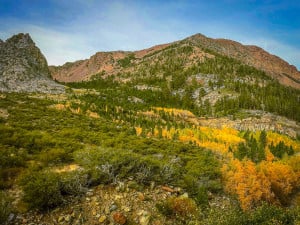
23 68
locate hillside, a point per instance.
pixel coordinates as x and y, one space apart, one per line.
254 56
176 134
23 68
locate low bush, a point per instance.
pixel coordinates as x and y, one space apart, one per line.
8 176
270 214
178 207
229 215
41 189
45 189
54 156
263 215
5 207
73 183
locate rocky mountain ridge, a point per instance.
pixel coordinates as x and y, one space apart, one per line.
23 68
254 56
108 62
83 70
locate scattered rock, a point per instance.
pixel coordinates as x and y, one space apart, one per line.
145 218
117 197
119 218
168 189
141 196
67 218
60 219
102 219
121 186
126 208
11 217
113 207
177 189
184 195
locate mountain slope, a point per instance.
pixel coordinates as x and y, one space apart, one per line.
254 56
175 134
23 68
201 47
101 61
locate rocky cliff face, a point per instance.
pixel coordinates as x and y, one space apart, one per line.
251 55
23 68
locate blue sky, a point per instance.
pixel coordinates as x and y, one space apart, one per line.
69 30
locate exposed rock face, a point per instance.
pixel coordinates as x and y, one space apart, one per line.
23 68
102 61
84 69
251 55
257 120
254 56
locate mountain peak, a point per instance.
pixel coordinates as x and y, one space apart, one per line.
23 68
21 40
252 55
201 47
197 35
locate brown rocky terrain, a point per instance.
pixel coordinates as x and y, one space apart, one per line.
122 203
23 68
101 61
108 62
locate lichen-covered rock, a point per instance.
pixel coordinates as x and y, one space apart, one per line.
23 68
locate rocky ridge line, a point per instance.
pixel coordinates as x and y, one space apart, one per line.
254 56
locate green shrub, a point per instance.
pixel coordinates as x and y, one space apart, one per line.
5 207
7 177
73 183
263 215
54 156
270 214
109 165
45 189
201 197
41 189
229 215
11 157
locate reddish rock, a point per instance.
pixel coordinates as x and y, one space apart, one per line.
141 196
119 218
168 189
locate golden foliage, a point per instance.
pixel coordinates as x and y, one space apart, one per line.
249 184
282 177
58 106
267 181
138 130
269 156
276 138
175 112
272 180
93 114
